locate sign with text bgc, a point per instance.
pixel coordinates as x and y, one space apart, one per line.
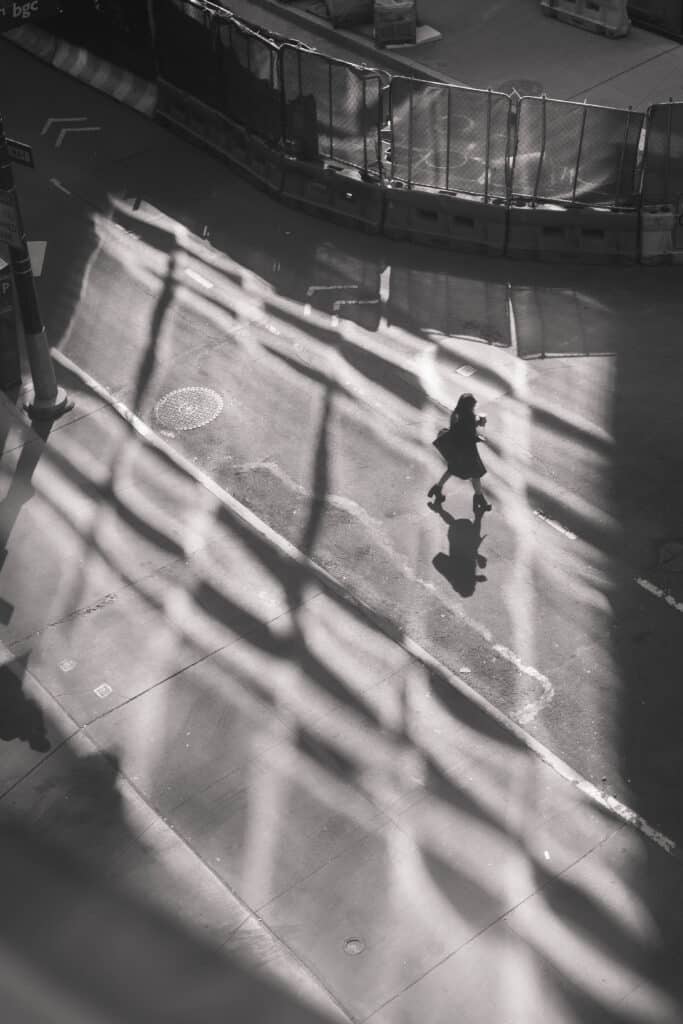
17 12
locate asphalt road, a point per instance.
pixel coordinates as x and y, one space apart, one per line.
335 358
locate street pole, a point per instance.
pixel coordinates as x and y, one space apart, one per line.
49 400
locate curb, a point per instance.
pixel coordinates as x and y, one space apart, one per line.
120 84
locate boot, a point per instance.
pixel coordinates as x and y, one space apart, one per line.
480 504
436 493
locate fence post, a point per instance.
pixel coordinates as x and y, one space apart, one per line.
542 153
578 150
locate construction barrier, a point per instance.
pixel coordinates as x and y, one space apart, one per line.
557 234
466 223
450 137
661 235
334 192
349 12
395 21
575 153
342 100
662 16
662 177
608 17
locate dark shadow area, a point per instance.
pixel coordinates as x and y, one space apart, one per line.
20 716
460 565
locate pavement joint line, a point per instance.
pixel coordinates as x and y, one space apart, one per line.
394 633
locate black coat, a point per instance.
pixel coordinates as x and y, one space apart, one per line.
462 457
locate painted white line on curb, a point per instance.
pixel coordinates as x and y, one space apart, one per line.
432 664
555 525
658 592
58 184
198 278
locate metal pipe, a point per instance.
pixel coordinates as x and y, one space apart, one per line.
624 144
578 151
449 93
410 132
330 131
543 140
488 147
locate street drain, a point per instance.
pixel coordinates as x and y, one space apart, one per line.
353 947
188 408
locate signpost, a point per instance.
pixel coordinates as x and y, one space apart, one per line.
9 225
20 152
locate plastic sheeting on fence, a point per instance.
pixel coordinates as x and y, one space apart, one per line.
186 50
249 86
332 109
663 160
575 153
449 137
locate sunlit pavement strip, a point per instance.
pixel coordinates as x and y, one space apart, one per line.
658 592
620 810
198 278
555 526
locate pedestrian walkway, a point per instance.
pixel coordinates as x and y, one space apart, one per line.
206 744
498 45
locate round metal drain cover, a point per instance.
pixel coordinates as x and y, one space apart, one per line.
354 946
188 408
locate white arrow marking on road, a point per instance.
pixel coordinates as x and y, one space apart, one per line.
56 120
58 184
60 137
36 251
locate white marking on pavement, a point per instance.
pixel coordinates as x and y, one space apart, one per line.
466 371
307 309
67 665
432 664
555 525
658 592
60 137
54 120
58 184
203 281
335 321
327 288
103 690
36 252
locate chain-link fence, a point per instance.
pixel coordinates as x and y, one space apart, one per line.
331 109
249 79
663 160
448 137
575 153
186 48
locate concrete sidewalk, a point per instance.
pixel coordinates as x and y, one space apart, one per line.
194 718
498 44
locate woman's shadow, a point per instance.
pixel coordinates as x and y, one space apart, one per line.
463 560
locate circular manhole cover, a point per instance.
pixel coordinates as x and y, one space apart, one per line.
188 408
352 947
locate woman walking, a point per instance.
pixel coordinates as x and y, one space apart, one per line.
459 448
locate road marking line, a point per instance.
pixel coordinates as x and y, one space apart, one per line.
58 184
198 278
658 592
60 137
555 525
328 288
53 120
415 650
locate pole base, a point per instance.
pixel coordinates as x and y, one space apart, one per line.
49 409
